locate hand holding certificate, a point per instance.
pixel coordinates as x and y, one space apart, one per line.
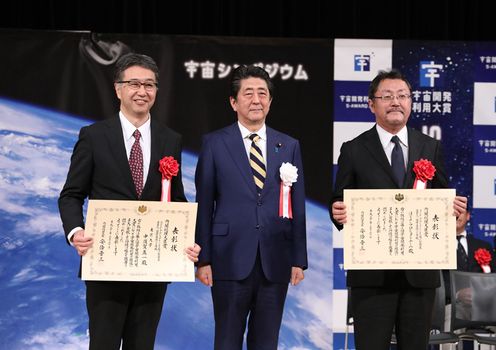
400 229
139 241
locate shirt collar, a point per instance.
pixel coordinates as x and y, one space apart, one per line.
463 234
245 133
128 128
385 137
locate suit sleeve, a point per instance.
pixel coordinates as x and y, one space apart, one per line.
177 189
78 183
205 183
345 178
440 177
299 217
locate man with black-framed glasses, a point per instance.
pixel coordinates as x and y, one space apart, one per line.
382 158
118 159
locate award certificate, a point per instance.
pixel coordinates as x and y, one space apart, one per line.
139 241
399 229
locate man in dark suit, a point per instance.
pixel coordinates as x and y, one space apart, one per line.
118 159
250 249
382 158
466 247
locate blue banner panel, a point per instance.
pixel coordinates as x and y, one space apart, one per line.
485 62
339 272
484 145
483 223
351 101
339 341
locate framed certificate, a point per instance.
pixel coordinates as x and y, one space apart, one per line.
139 241
399 229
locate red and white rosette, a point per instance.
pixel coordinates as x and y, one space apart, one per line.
424 171
169 167
288 174
483 258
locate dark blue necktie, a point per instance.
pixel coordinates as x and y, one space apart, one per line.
461 256
397 161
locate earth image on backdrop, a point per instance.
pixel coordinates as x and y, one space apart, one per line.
42 299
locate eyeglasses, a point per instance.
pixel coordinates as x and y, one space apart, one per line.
136 84
390 98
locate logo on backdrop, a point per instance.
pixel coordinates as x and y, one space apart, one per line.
431 102
489 62
430 72
362 63
209 70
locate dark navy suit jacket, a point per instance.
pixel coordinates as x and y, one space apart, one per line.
100 169
234 222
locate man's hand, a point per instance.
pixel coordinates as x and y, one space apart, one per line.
297 275
464 295
339 212
204 274
81 243
192 252
459 205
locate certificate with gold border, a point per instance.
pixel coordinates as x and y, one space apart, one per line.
399 229
139 241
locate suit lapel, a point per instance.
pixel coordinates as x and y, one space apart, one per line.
373 144
236 148
273 158
115 138
158 140
414 153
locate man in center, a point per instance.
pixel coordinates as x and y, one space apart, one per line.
251 223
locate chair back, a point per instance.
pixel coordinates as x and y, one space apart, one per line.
439 309
473 299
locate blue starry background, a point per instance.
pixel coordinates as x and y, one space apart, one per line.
457 78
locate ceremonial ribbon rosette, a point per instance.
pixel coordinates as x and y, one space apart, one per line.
483 258
288 173
169 167
424 171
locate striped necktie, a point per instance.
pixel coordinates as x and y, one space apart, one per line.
257 163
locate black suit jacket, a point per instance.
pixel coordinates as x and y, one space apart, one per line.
363 164
100 169
474 244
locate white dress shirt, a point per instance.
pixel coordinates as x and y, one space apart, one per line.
463 241
388 145
262 143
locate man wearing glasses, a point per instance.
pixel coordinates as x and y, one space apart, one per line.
118 159
382 158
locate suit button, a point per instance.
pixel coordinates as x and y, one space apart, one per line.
258 226
259 204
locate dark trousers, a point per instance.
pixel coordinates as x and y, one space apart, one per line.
377 311
124 311
254 297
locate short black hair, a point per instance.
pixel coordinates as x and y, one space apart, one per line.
244 72
134 59
383 75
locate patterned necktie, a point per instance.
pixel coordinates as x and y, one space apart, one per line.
136 163
397 161
257 163
461 256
